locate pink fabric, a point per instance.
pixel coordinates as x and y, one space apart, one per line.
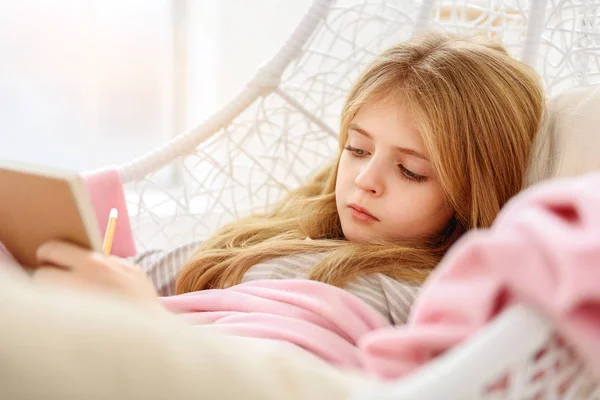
106 191
323 319
543 250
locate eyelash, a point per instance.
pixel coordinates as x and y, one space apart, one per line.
404 172
408 174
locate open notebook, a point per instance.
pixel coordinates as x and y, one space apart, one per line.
38 204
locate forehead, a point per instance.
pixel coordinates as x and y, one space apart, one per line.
388 122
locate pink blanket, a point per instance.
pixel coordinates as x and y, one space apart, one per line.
543 250
323 319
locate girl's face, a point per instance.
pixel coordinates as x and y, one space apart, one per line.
386 187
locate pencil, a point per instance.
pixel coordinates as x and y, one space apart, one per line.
110 231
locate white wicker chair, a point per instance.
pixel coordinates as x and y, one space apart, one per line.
283 125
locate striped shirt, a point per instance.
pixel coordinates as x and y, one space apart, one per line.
391 297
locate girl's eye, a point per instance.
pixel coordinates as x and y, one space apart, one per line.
408 174
356 152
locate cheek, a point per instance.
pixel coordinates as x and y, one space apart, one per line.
420 210
433 200
345 174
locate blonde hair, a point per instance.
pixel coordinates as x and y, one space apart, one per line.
478 111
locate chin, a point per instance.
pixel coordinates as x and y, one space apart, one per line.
353 236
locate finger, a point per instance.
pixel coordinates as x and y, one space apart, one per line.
67 255
123 264
48 275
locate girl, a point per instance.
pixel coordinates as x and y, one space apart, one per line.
434 139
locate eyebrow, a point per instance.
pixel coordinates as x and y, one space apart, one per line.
405 150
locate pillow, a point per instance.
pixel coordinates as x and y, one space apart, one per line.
568 143
57 344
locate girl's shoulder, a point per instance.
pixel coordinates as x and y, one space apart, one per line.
293 266
162 266
391 297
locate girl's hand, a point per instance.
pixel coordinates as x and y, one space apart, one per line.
68 265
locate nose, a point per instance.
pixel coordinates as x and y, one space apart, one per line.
370 179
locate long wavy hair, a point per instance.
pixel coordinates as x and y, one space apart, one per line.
478 110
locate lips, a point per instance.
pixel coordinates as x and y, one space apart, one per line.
361 213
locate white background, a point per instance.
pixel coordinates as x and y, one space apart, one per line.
90 83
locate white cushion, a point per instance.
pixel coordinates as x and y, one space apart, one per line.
568 143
